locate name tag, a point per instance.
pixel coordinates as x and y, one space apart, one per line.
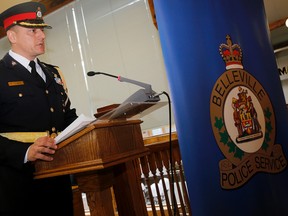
16 83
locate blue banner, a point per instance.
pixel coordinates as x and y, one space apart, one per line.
229 107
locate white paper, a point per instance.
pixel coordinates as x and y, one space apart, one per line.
78 124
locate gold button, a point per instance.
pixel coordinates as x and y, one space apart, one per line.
47 92
53 129
20 95
53 135
52 109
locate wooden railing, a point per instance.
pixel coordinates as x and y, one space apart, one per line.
164 185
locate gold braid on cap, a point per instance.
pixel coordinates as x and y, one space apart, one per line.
32 24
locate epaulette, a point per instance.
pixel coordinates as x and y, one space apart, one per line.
49 65
60 74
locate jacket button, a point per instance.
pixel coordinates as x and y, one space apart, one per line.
53 135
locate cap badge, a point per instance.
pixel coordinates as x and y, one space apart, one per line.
38 13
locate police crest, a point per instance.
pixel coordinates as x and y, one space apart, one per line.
243 123
245 117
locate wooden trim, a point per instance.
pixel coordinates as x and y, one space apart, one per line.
277 24
153 14
159 139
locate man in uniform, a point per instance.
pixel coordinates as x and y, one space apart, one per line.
32 100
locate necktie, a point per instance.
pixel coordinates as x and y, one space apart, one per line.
35 73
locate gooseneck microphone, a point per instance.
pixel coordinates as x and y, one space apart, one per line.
142 95
146 86
92 73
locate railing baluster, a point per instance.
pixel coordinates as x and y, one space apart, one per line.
165 191
178 180
153 168
172 182
182 176
146 171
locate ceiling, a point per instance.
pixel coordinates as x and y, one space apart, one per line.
276 11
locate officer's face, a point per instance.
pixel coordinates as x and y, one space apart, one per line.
28 42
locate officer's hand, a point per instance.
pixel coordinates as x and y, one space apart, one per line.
43 148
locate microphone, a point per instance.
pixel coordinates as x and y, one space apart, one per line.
142 95
92 73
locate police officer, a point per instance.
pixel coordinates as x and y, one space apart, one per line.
33 100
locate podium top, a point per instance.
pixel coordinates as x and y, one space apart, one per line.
131 109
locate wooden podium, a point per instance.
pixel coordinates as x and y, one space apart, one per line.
102 156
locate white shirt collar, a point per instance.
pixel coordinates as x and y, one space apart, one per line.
22 60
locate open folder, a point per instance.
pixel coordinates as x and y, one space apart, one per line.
77 125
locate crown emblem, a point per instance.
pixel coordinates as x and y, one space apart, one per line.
231 54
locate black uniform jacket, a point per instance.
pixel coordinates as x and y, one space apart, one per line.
26 106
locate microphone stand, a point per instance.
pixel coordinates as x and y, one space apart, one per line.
142 95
